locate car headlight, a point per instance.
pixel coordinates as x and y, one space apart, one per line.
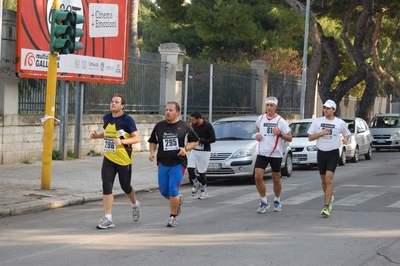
242 153
396 135
312 148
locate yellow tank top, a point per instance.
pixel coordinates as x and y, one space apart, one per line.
115 153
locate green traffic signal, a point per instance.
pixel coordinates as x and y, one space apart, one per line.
76 32
63 32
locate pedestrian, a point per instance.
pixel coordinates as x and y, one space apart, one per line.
119 134
328 131
272 129
199 157
174 139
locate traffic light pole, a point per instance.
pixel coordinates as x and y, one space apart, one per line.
49 111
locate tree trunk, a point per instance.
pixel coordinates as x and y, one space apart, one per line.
134 26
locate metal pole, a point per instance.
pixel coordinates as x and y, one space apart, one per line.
211 93
186 91
64 92
78 119
304 73
49 111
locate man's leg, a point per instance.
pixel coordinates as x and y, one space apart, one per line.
327 186
259 180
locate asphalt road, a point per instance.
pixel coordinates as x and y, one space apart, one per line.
225 229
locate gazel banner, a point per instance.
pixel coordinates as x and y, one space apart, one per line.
104 57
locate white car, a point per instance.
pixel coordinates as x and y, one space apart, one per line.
360 141
304 152
234 152
385 130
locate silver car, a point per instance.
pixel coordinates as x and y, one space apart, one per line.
234 153
385 130
360 141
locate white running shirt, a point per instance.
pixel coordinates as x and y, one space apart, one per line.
332 141
270 144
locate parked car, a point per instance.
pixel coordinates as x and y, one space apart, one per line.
385 130
360 141
234 152
305 151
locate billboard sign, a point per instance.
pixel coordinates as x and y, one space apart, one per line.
104 57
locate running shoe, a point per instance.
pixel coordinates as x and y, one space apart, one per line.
277 206
263 207
325 211
180 203
136 212
104 223
195 189
330 204
203 195
172 222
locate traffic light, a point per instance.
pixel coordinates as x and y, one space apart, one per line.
76 32
61 30
64 31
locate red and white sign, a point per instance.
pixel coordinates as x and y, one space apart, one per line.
104 57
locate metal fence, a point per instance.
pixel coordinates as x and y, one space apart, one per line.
233 90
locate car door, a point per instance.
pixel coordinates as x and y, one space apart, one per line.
362 136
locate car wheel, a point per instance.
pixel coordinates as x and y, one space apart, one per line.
368 155
342 159
356 156
288 169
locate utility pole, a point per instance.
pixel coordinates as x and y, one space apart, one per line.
49 112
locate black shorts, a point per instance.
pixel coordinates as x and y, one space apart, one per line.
262 162
327 161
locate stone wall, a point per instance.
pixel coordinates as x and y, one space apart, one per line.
22 136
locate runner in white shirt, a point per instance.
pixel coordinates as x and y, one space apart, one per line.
272 129
327 130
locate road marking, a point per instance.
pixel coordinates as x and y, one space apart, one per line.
358 198
394 205
303 197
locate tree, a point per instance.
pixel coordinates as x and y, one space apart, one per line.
134 26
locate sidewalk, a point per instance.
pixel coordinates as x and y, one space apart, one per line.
72 182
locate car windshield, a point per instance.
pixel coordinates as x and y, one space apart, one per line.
234 130
299 130
384 121
350 125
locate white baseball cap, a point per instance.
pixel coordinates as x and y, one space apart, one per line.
330 104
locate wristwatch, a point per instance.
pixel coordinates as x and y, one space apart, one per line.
280 134
186 149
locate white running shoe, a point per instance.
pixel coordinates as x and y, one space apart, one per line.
203 195
104 223
263 207
172 222
136 212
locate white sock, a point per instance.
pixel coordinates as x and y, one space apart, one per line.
137 204
203 188
264 199
108 217
278 199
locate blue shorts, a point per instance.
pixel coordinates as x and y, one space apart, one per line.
169 179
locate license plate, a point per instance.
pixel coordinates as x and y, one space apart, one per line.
381 141
213 166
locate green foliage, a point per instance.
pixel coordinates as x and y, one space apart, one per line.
93 153
10 4
56 155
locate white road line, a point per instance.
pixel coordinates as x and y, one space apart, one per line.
299 199
394 205
358 198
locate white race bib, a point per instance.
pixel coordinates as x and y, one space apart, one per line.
171 143
109 145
